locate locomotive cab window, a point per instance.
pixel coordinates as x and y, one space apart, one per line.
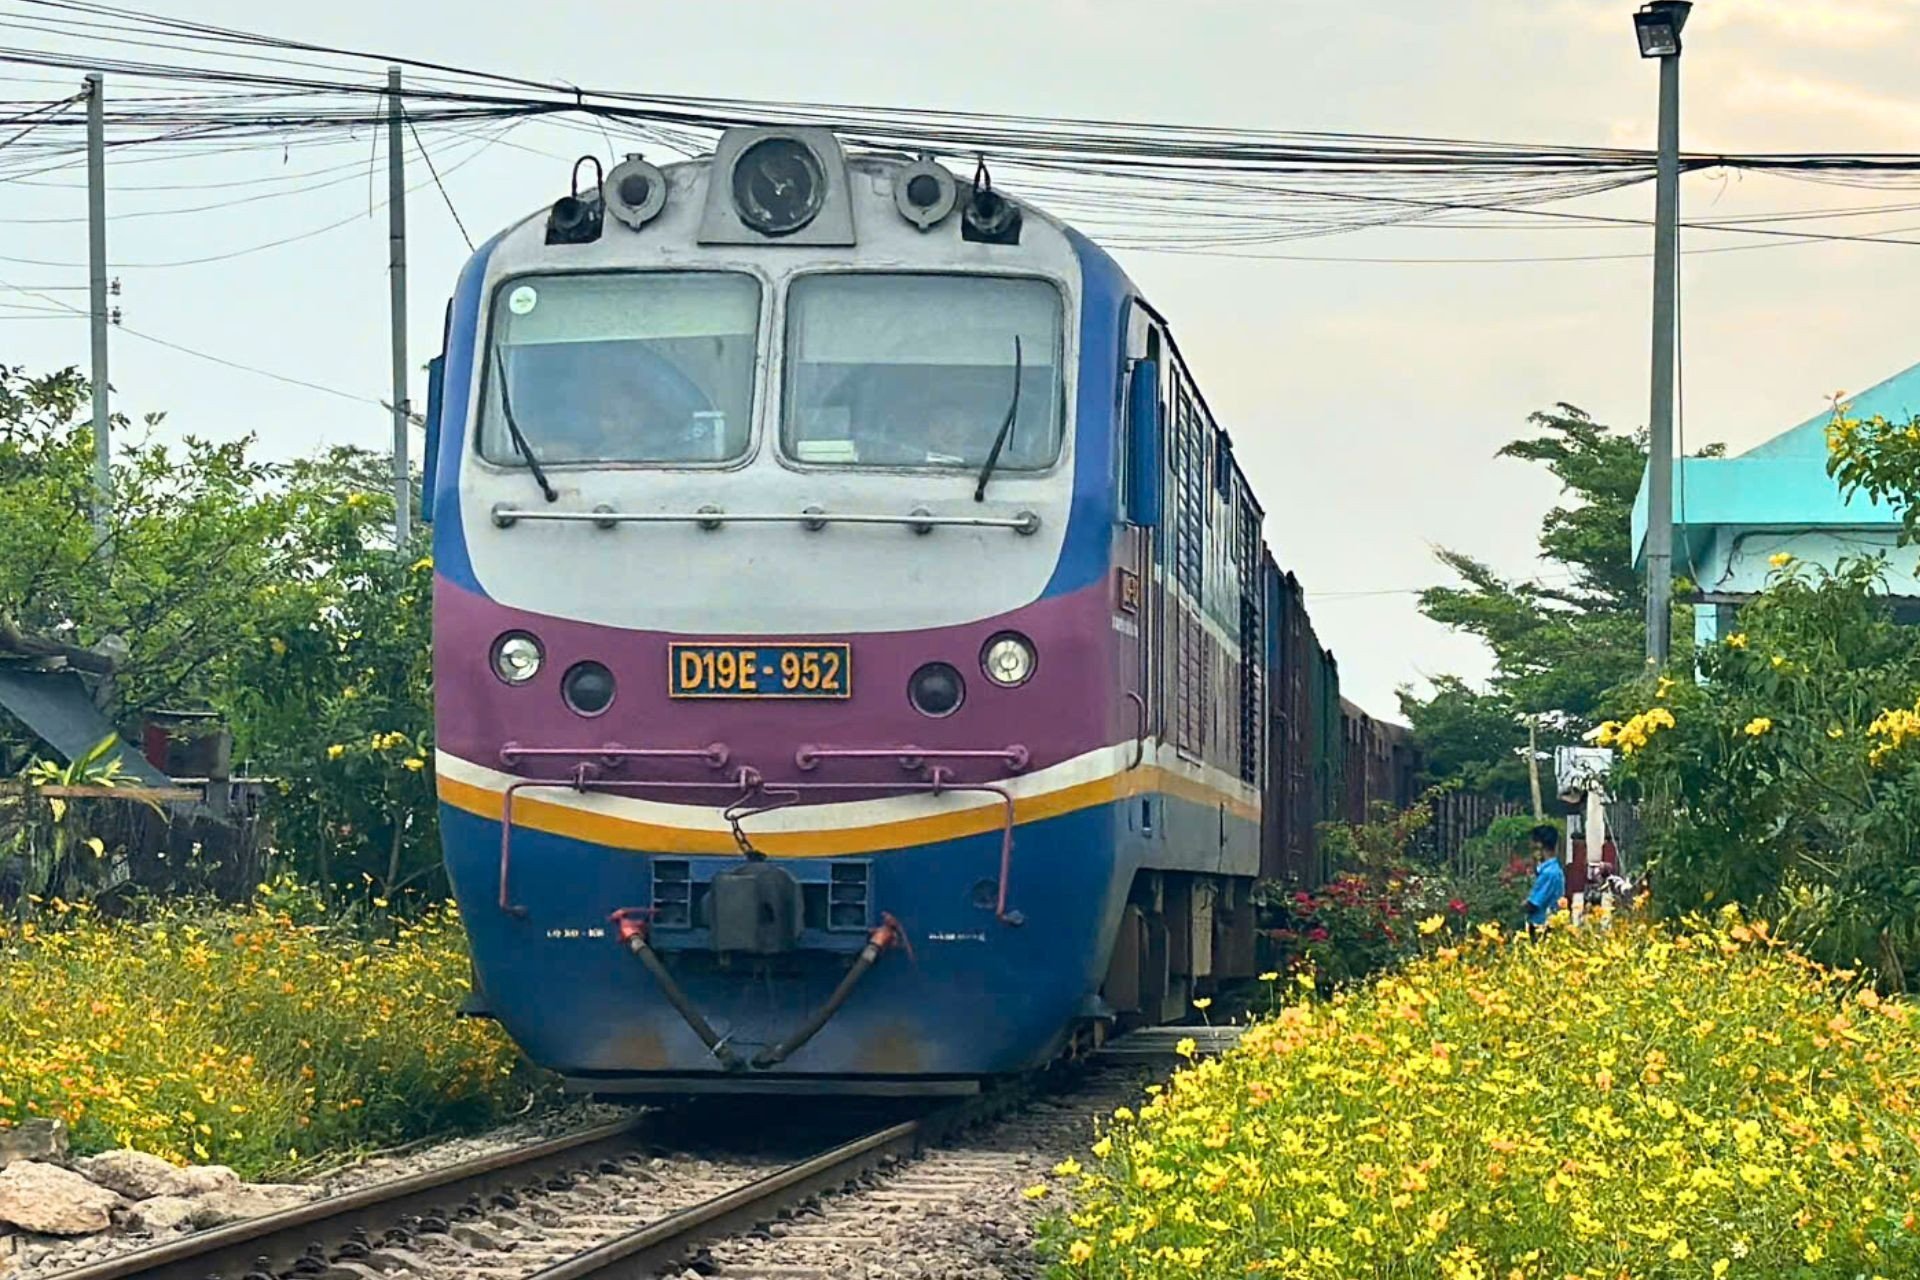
924 371
634 367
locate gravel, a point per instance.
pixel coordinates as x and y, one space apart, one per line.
25 1256
956 1213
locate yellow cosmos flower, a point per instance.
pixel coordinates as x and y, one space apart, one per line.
1203 1003
335 751
1780 559
1433 924
1757 726
1270 976
1078 1252
1038 1191
1738 640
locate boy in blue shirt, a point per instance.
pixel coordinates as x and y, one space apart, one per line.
1550 881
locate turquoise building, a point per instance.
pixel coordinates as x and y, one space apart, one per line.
1731 515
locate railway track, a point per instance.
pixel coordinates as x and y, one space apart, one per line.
618 1200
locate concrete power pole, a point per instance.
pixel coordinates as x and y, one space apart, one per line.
397 297
97 300
1666 236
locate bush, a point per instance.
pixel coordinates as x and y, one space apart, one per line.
241 1036
1612 1101
1357 925
1363 919
1788 777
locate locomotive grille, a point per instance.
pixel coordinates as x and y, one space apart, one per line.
847 896
842 902
672 894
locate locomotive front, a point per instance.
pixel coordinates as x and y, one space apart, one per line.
775 635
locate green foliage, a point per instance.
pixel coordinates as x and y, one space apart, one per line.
336 701
269 592
1558 648
1612 1102
1788 778
1879 458
42 836
1505 842
1383 902
258 1035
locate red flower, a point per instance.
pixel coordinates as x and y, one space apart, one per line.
1304 898
1318 935
1457 906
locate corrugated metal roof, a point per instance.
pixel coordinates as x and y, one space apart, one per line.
57 707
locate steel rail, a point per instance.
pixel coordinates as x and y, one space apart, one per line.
641 1254
281 1239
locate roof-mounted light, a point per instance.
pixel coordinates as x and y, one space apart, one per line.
635 192
925 193
778 185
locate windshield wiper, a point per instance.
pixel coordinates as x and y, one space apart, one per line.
514 432
1006 429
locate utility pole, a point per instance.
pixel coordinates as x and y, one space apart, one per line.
97 300
397 296
1658 28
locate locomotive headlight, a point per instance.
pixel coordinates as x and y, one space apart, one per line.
517 657
587 688
778 185
936 690
1008 660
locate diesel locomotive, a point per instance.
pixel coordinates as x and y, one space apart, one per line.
858 666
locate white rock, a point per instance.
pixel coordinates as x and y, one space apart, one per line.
160 1214
33 1140
53 1201
134 1174
248 1200
199 1179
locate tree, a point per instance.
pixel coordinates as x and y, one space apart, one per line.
269 592
1787 778
1560 646
1880 458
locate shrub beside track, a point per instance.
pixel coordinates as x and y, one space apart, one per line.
1613 1101
238 1036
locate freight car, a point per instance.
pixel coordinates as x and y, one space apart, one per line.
858 665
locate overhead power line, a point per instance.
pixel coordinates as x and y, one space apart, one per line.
61 308
202 89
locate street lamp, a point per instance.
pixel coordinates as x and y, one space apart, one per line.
1657 26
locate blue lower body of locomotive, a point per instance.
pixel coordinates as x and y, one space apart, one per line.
968 995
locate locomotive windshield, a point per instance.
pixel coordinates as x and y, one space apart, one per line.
622 367
899 370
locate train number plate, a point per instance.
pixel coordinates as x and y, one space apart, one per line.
702 670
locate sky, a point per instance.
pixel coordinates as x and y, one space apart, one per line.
1366 399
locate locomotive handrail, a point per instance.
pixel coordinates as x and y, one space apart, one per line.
584 779
813 519
1016 757
1140 739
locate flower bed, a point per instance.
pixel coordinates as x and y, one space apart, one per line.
238 1036
1616 1101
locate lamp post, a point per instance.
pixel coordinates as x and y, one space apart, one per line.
1657 25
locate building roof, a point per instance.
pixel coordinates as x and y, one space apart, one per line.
1781 483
